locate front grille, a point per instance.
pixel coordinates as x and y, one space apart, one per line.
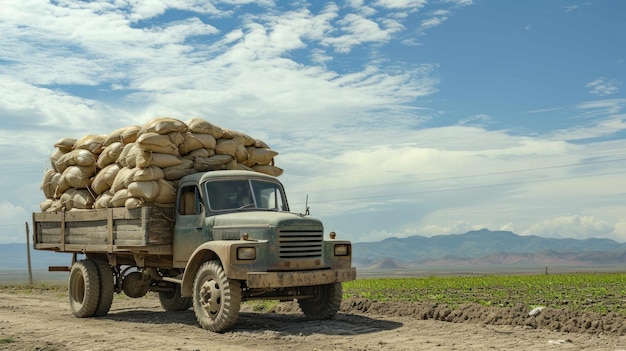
300 243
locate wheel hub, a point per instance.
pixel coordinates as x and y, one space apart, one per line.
211 298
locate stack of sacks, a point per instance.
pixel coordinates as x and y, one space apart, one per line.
137 166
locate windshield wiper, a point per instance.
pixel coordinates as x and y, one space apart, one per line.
246 206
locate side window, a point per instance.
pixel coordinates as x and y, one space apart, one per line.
189 202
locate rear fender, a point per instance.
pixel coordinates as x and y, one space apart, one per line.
212 250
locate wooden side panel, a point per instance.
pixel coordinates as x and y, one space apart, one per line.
104 230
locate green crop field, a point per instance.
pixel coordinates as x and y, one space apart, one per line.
601 293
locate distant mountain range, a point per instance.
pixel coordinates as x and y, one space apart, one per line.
484 248
474 248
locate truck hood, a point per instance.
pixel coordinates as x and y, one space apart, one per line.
262 219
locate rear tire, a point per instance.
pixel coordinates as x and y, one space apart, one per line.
216 299
84 288
107 288
173 301
325 304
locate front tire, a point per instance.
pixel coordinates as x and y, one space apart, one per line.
84 288
325 304
216 299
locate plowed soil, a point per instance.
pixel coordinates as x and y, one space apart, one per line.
41 320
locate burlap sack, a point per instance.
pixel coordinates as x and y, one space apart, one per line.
269 169
56 155
213 163
75 177
133 156
110 154
195 141
176 138
157 143
247 140
122 159
167 192
122 179
104 200
241 154
124 135
92 142
261 144
197 125
228 146
145 190
164 125
191 142
77 199
65 145
234 165
50 183
78 157
133 202
258 156
120 197
207 140
165 160
179 171
46 204
147 174
105 178
199 153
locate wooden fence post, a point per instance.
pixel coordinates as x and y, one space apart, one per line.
30 270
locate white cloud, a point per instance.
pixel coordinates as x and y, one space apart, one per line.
460 2
458 227
603 86
510 227
41 107
574 226
360 6
620 231
12 219
431 22
602 107
595 129
400 4
358 30
479 120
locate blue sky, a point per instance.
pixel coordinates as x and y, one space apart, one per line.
395 117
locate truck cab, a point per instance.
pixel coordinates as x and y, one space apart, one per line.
235 209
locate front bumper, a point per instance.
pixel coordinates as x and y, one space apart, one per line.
299 278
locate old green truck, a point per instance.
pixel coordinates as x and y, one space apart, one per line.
230 237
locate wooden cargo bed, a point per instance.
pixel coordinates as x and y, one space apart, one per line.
147 230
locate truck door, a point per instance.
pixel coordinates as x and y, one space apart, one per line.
189 228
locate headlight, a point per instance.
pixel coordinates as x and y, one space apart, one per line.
342 250
246 253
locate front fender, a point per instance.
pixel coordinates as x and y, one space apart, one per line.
212 250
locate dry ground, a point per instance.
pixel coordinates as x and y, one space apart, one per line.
41 320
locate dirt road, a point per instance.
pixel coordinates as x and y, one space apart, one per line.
42 321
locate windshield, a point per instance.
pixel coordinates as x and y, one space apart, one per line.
229 195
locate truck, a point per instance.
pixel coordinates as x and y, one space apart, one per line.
228 238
